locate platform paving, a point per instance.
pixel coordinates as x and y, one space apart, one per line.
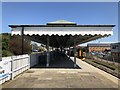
86 76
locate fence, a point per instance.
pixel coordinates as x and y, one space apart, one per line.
34 59
14 65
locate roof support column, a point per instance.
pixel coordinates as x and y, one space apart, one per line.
69 53
48 53
61 49
22 34
74 53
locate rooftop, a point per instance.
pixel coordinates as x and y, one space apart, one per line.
61 22
99 44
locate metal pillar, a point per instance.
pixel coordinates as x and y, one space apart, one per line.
52 48
74 53
22 34
48 53
61 49
69 53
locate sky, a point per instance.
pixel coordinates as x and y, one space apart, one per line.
79 12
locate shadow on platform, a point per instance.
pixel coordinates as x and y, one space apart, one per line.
57 60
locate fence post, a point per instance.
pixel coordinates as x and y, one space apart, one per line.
29 61
12 73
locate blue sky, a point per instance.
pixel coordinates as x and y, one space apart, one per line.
79 12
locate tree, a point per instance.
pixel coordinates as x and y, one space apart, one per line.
5 38
11 45
15 45
5 41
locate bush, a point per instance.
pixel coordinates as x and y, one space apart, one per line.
6 53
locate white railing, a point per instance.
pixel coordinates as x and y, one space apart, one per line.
14 65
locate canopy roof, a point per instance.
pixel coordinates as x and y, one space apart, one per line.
63 33
61 22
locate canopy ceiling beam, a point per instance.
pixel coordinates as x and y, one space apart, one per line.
32 38
91 38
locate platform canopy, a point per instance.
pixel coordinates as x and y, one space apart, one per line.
62 33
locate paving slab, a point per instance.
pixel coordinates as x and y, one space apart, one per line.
85 77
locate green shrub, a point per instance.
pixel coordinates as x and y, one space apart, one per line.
6 53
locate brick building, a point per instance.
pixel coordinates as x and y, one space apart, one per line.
98 47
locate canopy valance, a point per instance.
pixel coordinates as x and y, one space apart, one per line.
62 33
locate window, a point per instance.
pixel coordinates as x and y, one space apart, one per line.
115 47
